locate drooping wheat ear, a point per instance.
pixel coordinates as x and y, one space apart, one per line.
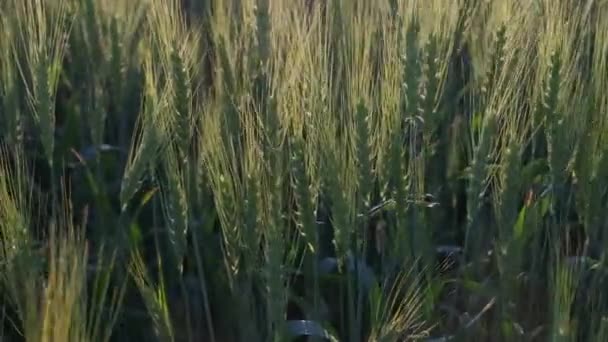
142 154
151 129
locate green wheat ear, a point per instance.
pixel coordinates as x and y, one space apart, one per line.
412 70
9 97
339 208
409 110
511 187
365 172
230 227
398 189
263 32
301 186
13 203
116 57
154 297
431 87
232 121
510 233
275 264
363 146
601 333
142 155
554 121
496 60
478 181
564 280
41 31
182 100
44 112
250 227
176 209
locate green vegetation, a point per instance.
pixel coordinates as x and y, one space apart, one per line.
340 170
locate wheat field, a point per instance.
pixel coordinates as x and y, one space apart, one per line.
303 170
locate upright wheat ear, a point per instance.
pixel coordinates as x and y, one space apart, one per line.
42 30
401 148
478 181
363 146
182 101
364 174
301 186
9 97
341 219
117 55
554 122
596 207
564 281
276 246
431 88
412 71
496 63
154 297
511 188
176 209
251 211
231 125
14 201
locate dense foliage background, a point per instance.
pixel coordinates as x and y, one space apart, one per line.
271 170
